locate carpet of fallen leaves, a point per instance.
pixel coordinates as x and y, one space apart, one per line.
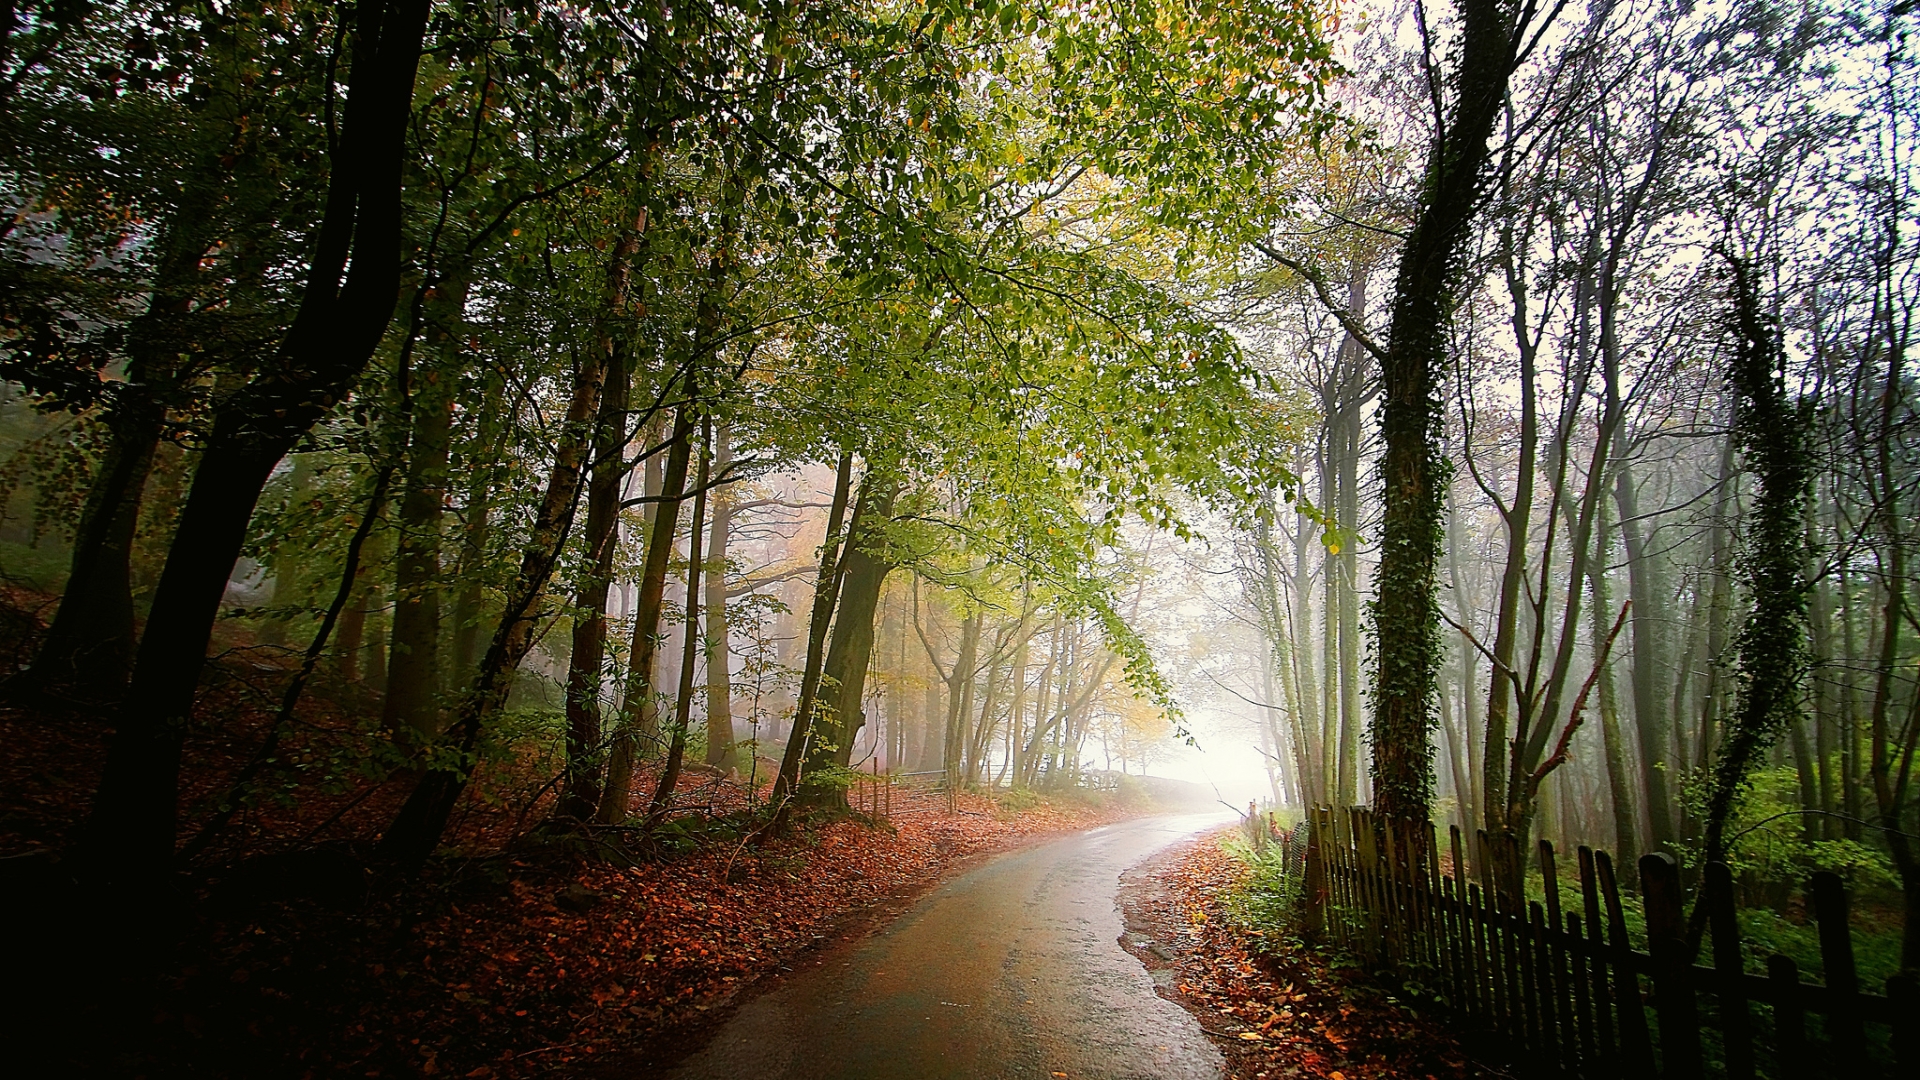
543 972
519 960
1274 1010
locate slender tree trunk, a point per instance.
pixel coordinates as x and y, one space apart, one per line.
960 702
89 646
638 707
1825 698
1850 780
417 828
720 748
850 650
413 677
1346 566
662 801
1517 518
1651 722
1620 787
475 531
586 662
826 591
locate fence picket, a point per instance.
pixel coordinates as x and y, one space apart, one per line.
1555 939
1636 1045
1728 964
1903 1002
1672 983
1841 1025
1606 1050
1789 1017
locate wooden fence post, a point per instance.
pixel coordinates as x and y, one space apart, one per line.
1314 885
1605 1049
1730 969
1903 1001
1636 1046
1845 1039
1673 992
1789 1017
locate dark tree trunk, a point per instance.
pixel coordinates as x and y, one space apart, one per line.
475 531
850 650
720 748
343 315
1772 432
90 644
1405 608
638 709
960 703
412 704
662 800
826 591
580 794
1651 722
1620 787
417 828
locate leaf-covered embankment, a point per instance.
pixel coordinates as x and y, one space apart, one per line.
1274 1009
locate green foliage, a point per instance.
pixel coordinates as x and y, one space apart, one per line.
1767 836
1271 899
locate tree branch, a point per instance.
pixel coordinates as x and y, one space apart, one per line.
1347 321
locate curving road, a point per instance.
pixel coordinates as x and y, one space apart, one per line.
1010 970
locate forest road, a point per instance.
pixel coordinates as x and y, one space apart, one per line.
1011 970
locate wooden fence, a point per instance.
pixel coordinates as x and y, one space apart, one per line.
1560 983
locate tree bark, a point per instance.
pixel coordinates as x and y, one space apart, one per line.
826 591
89 646
638 708
720 749
850 650
342 316
417 828
662 801
475 532
412 703
1405 609
1652 726
1771 429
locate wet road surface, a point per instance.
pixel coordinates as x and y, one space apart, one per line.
1011 970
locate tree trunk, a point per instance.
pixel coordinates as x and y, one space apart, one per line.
1405 609
638 708
417 828
826 592
662 800
90 643
475 531
1647 624
960 703
851 649
586 661
342 316
1772 432
720 749
1620 787
412 704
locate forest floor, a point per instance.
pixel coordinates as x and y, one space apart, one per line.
527 957
1275 1010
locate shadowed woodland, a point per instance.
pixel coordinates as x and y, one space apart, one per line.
473 474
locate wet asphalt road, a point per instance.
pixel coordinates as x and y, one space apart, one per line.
1010 970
